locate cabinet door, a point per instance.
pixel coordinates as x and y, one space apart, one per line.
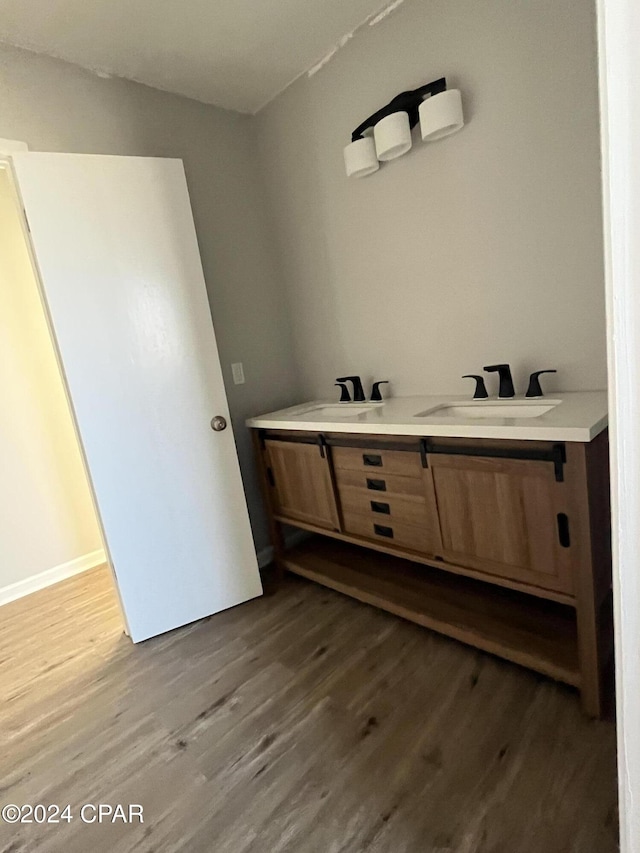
302 488
505 517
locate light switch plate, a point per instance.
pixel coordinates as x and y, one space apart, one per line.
237 371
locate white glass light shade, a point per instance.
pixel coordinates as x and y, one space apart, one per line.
441 115
392 135
360 158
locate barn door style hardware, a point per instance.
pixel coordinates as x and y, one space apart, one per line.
556 454
304 438
386 134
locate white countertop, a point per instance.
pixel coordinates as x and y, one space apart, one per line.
574 416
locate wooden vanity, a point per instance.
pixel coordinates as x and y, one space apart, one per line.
502 544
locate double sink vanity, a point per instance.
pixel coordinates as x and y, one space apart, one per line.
485 520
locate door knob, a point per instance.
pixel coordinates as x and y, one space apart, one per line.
218 423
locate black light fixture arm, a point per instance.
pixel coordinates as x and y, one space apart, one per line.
407 102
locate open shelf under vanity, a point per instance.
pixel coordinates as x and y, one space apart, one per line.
538 634
500 544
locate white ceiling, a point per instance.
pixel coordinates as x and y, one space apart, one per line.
237 54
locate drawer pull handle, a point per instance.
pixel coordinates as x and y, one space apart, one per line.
376 485
563 530
378 506
373 460
381 530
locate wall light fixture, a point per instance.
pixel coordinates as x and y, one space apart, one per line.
392 135
360 157
386 134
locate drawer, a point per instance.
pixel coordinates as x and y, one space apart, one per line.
390 532
384 508
375 480
407 463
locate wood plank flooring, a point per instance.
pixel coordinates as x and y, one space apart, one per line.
302 722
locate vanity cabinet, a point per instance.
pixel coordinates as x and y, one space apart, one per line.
387 496
502 544
300 481
507 517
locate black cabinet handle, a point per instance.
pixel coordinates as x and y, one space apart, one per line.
381 530
372 459
564 536
378 506
376 485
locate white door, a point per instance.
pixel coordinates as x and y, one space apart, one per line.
116 248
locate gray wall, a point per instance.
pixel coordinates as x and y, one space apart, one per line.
482 247
485 246
57 107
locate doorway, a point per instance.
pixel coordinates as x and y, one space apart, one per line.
48 526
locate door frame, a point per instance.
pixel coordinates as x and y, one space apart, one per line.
619 70
6 165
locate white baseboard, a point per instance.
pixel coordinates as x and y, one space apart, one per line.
51 576
96 558
265 556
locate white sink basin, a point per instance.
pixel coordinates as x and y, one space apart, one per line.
346 410
498 409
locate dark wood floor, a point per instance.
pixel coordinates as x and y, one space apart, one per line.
303 722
